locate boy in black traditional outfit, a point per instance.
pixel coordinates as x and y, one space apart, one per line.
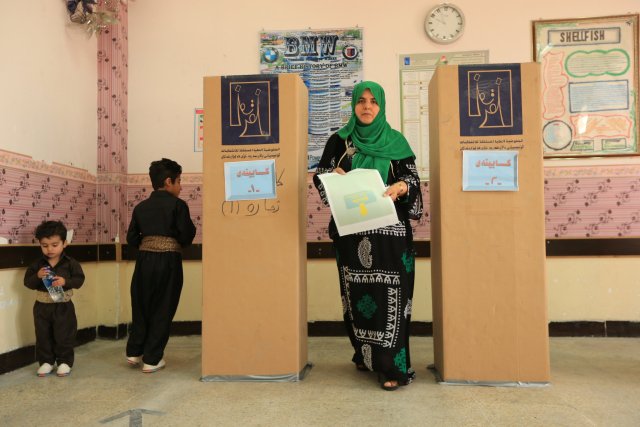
55 321
160 226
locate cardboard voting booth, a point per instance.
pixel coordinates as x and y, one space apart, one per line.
487 225
254 320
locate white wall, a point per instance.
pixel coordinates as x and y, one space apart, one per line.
48 92
173 44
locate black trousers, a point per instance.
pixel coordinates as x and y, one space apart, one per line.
155 293
56 327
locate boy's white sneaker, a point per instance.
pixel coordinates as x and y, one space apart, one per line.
44 370
148 369
134 360
63 370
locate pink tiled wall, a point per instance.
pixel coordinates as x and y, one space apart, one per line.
580 202
34 191
592 202
112 140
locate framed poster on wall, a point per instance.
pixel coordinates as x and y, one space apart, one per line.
589 71
330 63
416 70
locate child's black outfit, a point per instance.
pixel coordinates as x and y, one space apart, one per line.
55 322
160 226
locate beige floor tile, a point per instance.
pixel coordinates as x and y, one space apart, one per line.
595 381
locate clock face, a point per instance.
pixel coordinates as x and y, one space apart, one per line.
444 23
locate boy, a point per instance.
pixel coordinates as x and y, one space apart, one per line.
160 226
55 322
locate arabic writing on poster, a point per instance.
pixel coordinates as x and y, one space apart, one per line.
241 153
490 170
250 180
490 101
250 110
492 144
486 163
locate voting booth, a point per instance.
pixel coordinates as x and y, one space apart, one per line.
487 225
254 320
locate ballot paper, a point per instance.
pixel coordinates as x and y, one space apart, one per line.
357 202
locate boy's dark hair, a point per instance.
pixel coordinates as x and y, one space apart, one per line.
50 229
160 170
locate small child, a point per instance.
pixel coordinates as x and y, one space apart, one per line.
55 322
160 226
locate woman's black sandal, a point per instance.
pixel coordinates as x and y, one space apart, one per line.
383 380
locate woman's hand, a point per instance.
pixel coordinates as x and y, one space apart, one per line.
397 190
339 171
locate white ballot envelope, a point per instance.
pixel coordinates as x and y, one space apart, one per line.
357 202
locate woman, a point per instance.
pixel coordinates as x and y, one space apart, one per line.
376 267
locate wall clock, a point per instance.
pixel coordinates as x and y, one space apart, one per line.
444 23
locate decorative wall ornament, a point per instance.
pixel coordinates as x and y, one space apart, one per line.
94 15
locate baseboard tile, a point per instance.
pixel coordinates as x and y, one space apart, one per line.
25 356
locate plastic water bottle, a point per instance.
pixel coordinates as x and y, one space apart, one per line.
56 292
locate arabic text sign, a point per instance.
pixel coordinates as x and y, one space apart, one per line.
494 170
357 202
250 180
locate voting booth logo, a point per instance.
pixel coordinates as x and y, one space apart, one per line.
490 100
250 110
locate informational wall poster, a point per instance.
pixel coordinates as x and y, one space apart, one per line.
250 180
416 71
250 110
589 85
330 64
492 170
357 202
490 100
198 130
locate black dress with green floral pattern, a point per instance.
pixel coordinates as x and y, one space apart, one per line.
377 270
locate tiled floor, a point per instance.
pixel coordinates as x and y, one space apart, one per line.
595 382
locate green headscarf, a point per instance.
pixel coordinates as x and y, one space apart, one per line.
377 143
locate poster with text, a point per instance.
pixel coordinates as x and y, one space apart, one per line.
250 180
491 170
416 70
589 85
330 64
198 130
